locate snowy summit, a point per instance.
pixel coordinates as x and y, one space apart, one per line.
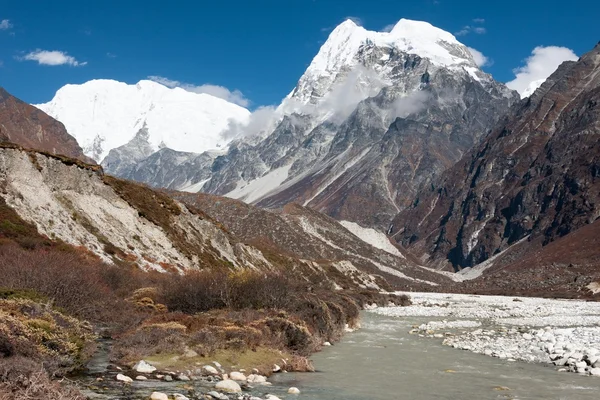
341 52
105 114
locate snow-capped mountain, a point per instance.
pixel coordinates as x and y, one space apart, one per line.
348 46
105 114
375 117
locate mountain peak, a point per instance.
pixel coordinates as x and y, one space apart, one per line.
104 114
413 37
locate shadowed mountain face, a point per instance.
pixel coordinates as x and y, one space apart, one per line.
30 127
535 178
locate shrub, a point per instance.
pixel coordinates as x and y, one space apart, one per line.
24 379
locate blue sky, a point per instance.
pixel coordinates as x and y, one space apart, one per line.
259 48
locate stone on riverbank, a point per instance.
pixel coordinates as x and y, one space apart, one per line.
144 368
293 390
237 376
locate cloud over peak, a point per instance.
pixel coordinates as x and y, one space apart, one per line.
233 96
52 58
479 58
542 62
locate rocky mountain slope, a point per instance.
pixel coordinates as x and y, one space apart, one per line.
128 224
303 233
373 119
534 179
29 127
105 114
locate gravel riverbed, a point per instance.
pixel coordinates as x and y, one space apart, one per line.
565 333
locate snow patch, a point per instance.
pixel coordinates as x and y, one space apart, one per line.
371 236
258 188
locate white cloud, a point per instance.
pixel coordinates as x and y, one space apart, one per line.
479 58
235 96
465 30
404 106
480 30
261 121
53 57
479 20
5 25
542 62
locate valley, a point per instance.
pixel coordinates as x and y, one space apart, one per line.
166 241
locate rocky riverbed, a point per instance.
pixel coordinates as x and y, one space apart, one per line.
209 381
564 333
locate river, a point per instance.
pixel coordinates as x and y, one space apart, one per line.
382 361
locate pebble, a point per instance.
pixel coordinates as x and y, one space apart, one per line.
293 390
141 378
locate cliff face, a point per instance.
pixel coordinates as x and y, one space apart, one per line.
535 177
30 127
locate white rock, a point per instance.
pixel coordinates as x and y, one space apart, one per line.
210 370
326 344
123 378
144 368
527 336
183 377
141 378
228 386
271 397
595 371
255 378
293 390
158 396
190 354
237 376
179 396
217 395
276 368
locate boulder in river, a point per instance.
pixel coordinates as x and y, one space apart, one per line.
293 390
228 386
158 396
123 378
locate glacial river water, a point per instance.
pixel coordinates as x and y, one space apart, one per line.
382 361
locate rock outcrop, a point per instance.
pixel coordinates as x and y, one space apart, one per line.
533 180
30 127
